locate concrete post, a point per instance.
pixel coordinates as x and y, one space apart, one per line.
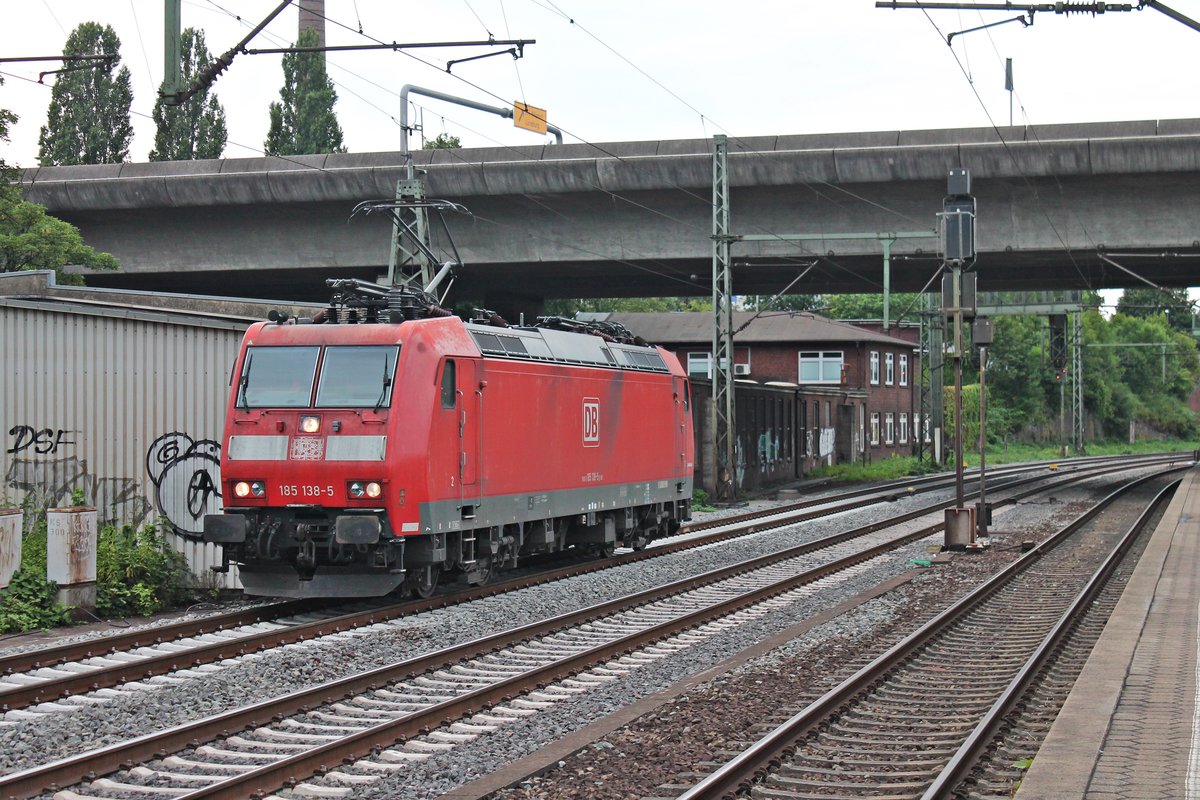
10 543
71 554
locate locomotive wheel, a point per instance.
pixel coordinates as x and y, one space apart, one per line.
423 583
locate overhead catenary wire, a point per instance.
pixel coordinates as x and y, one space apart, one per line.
1008 151
616 196
701 199
705 200
821 191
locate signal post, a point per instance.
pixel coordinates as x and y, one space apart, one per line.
958 304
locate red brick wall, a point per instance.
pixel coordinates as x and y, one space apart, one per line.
770 362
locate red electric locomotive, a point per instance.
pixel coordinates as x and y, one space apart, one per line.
385 443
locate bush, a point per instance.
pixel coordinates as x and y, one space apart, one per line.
137 572
30 601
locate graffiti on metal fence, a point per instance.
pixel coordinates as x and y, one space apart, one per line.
50 482
186 474
42 441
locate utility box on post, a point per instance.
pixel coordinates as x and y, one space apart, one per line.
71 555
10 543
960 528
983 331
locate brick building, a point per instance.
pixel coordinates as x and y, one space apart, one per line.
855 390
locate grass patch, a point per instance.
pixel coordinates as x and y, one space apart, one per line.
886 469
897 467
701 501
1016 453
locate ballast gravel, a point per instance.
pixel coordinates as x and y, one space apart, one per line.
163 702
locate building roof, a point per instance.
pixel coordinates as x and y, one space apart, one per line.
688 327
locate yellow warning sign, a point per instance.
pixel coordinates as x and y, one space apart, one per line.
529 117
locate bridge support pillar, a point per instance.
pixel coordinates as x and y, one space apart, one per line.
511 305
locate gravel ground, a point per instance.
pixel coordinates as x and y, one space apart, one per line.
673 743
241 681
634 761
13 643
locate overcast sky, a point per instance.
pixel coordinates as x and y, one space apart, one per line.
652 69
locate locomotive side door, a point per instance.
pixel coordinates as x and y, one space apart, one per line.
682 409
470 424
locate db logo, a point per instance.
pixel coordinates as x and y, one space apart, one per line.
591 422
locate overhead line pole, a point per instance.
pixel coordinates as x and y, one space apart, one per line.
722 349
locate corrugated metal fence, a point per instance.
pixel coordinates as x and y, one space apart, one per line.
125 404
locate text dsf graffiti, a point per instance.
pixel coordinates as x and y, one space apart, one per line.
41 441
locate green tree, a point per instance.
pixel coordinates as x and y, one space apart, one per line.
1157 369
30 238
444 141
869 306
7 173
570 307
1020 381
303 122
88 119
1146 302
195 129
784 302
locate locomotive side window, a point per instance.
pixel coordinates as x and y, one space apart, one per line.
277 377
449 385
357 377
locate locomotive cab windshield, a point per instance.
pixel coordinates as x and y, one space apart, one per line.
358 376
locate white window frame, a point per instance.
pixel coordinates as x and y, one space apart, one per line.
874 427
903 369
874 367
903 427
697 358
889 428
889 372
825 361
925 427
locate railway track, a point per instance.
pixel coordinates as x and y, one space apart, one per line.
46 675
915 722
305 732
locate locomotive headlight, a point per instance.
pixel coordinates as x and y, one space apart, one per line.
357 489
310 424
374 490
250 489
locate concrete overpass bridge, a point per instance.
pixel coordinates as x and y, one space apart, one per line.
634 218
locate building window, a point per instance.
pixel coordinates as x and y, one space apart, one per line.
820 367
874 427
889 428
926 435
862 428
874 368
903 426
904 370
890 374
699 365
